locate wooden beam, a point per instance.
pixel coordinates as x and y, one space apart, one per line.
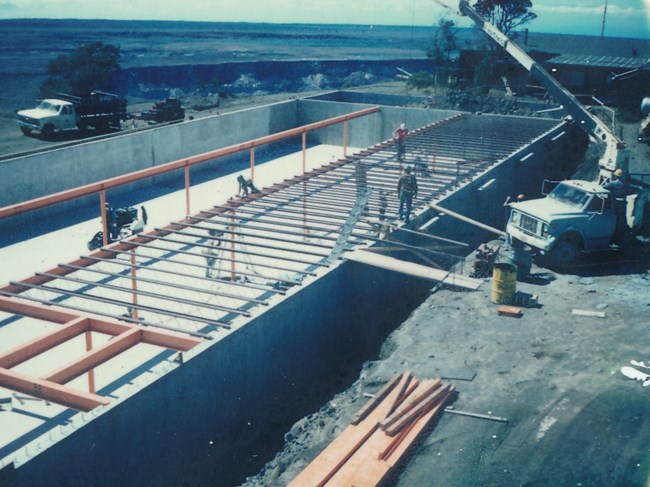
94 357
465 219
34 310
413 269
31 349
48 391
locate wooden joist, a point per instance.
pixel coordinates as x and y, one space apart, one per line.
413 269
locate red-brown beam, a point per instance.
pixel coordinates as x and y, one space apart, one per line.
95 357
49 391
31 349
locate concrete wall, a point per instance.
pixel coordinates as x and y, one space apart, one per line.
201 423
49 172
364 131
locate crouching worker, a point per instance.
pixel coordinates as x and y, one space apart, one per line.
245 185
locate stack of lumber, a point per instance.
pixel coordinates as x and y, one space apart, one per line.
367 451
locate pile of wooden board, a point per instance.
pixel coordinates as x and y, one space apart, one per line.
366 452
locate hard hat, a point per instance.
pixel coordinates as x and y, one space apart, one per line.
618 173
407 168
402 126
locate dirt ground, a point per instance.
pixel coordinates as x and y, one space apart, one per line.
573 418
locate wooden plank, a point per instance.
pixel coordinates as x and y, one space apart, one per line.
413 269
586 312
420 426
431 399
380 396
427 387
343 447
366 469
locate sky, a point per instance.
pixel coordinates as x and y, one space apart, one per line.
625 18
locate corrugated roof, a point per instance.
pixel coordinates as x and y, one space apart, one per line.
610 52
602 61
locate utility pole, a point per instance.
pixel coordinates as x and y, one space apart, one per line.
602 31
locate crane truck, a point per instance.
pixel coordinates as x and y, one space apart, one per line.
576 216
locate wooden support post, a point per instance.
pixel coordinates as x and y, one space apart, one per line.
345 138
102 203
187 190
232 247
304 152
253 164
134 285
91 372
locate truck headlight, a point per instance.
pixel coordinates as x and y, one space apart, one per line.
544 229
515 218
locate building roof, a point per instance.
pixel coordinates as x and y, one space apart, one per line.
602 61
610 52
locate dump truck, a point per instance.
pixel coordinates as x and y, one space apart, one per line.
100 111
576 216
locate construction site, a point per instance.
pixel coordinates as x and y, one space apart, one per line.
266 316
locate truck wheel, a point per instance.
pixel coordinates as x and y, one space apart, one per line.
25 130
48 132
565 252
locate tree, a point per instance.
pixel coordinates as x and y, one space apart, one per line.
506 15
443 42
89 67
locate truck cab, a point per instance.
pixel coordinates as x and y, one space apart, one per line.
50 116
575 216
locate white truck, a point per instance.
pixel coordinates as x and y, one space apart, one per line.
576 216
101 111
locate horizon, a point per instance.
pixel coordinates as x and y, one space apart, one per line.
625 18
520 30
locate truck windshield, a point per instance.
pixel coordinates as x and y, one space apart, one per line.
570 195
46 105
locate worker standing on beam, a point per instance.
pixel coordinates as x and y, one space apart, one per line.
407 188
211 253
399 134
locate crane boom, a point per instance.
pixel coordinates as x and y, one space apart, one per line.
616 155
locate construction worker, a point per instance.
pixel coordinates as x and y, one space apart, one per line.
399 134
211 252
407 188
245 185
619 190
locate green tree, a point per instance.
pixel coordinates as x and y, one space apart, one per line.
89 67
506 15
443 42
